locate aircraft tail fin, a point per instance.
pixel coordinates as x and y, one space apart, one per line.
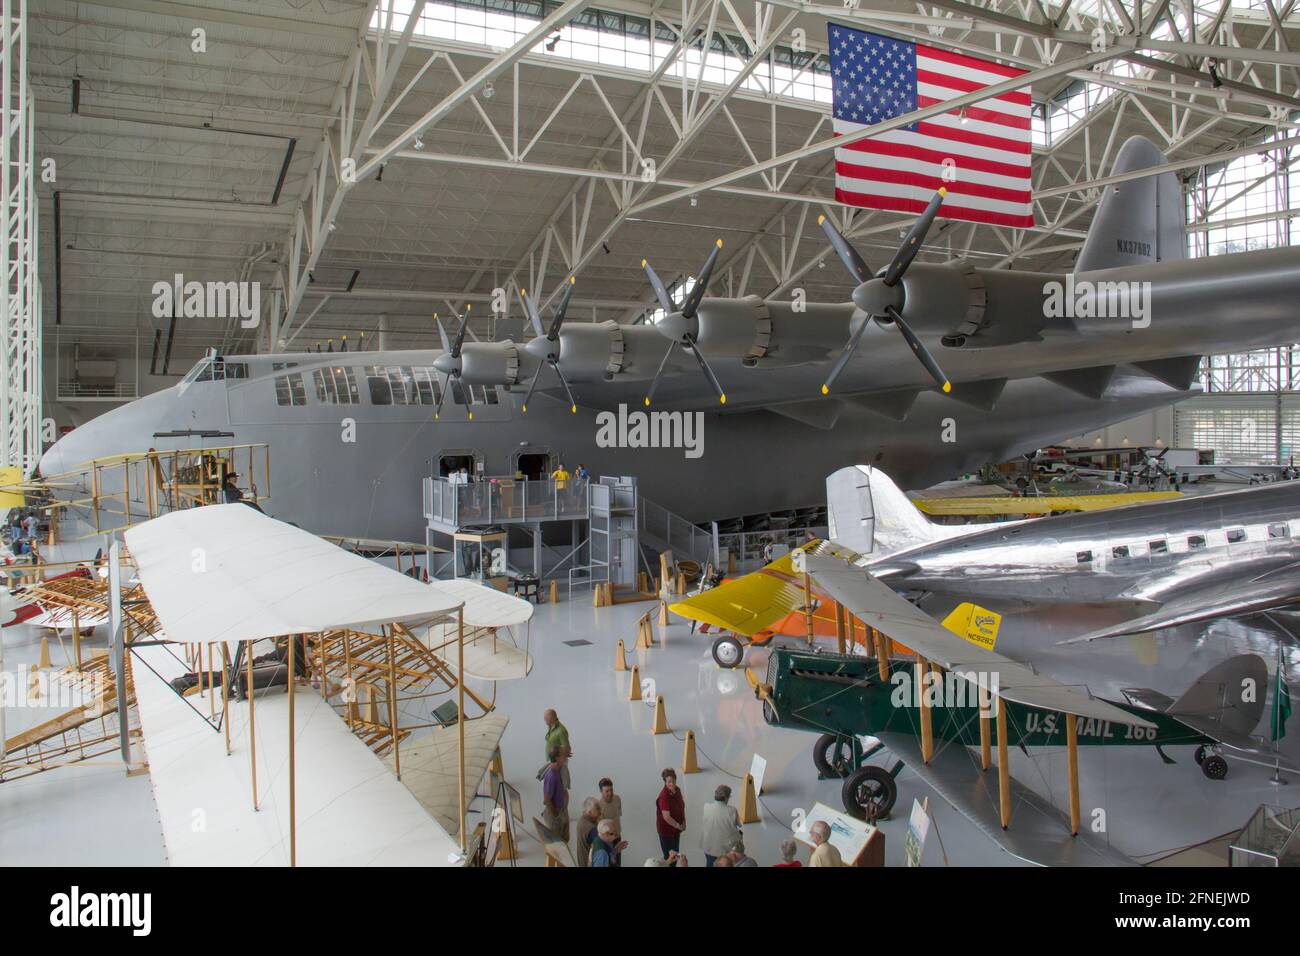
1138 221
869 514
1227 702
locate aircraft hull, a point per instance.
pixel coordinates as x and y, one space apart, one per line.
357 470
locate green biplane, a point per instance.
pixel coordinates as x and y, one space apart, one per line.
845 697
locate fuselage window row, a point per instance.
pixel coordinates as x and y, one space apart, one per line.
385 384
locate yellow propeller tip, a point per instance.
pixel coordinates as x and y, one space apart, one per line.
943 193
525 409
719 243
826 389
647 403
573 409
820 220
947 386
643 262
722 399
572 279
471 416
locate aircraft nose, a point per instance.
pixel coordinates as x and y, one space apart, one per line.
128 428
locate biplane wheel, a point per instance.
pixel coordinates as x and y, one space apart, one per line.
1214 767
869 786
1199 755
728 652
833 755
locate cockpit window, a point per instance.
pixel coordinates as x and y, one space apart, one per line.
215 370
201 372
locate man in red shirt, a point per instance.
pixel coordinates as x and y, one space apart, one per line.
670 814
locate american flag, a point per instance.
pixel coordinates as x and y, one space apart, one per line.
876 78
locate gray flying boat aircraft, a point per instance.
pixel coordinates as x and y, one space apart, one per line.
931 370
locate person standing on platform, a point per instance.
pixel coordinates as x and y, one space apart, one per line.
670 814
561 478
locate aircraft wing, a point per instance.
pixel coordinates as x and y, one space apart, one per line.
1266 592
1039 831
880 607
1040 505
747 604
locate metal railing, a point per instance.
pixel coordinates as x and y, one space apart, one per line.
747 546
684 539
500 500
73 389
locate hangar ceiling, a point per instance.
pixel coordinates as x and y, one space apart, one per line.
223 163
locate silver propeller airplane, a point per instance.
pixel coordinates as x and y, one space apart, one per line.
1185 561
931 370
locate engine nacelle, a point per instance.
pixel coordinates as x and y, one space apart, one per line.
974 308
591 352
490 363
734 328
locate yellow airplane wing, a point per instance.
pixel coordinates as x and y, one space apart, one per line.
1042 505
11 490
748 604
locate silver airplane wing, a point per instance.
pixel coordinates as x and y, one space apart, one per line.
880 607
1039 831
1266 592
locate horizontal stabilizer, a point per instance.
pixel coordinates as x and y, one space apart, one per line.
1088 382
893 405
1228 701
1177 373
821 413
982 395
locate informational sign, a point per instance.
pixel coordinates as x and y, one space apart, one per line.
918 828
975 624
757 769
848 834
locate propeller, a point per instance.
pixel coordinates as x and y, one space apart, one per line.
682 325
449 364
546 346
882 298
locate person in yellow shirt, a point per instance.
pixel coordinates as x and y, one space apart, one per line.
560 477
823 853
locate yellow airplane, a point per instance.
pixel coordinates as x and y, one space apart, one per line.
756 607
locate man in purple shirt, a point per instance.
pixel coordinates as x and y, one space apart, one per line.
554 796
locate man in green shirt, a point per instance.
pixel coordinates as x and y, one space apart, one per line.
557 735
